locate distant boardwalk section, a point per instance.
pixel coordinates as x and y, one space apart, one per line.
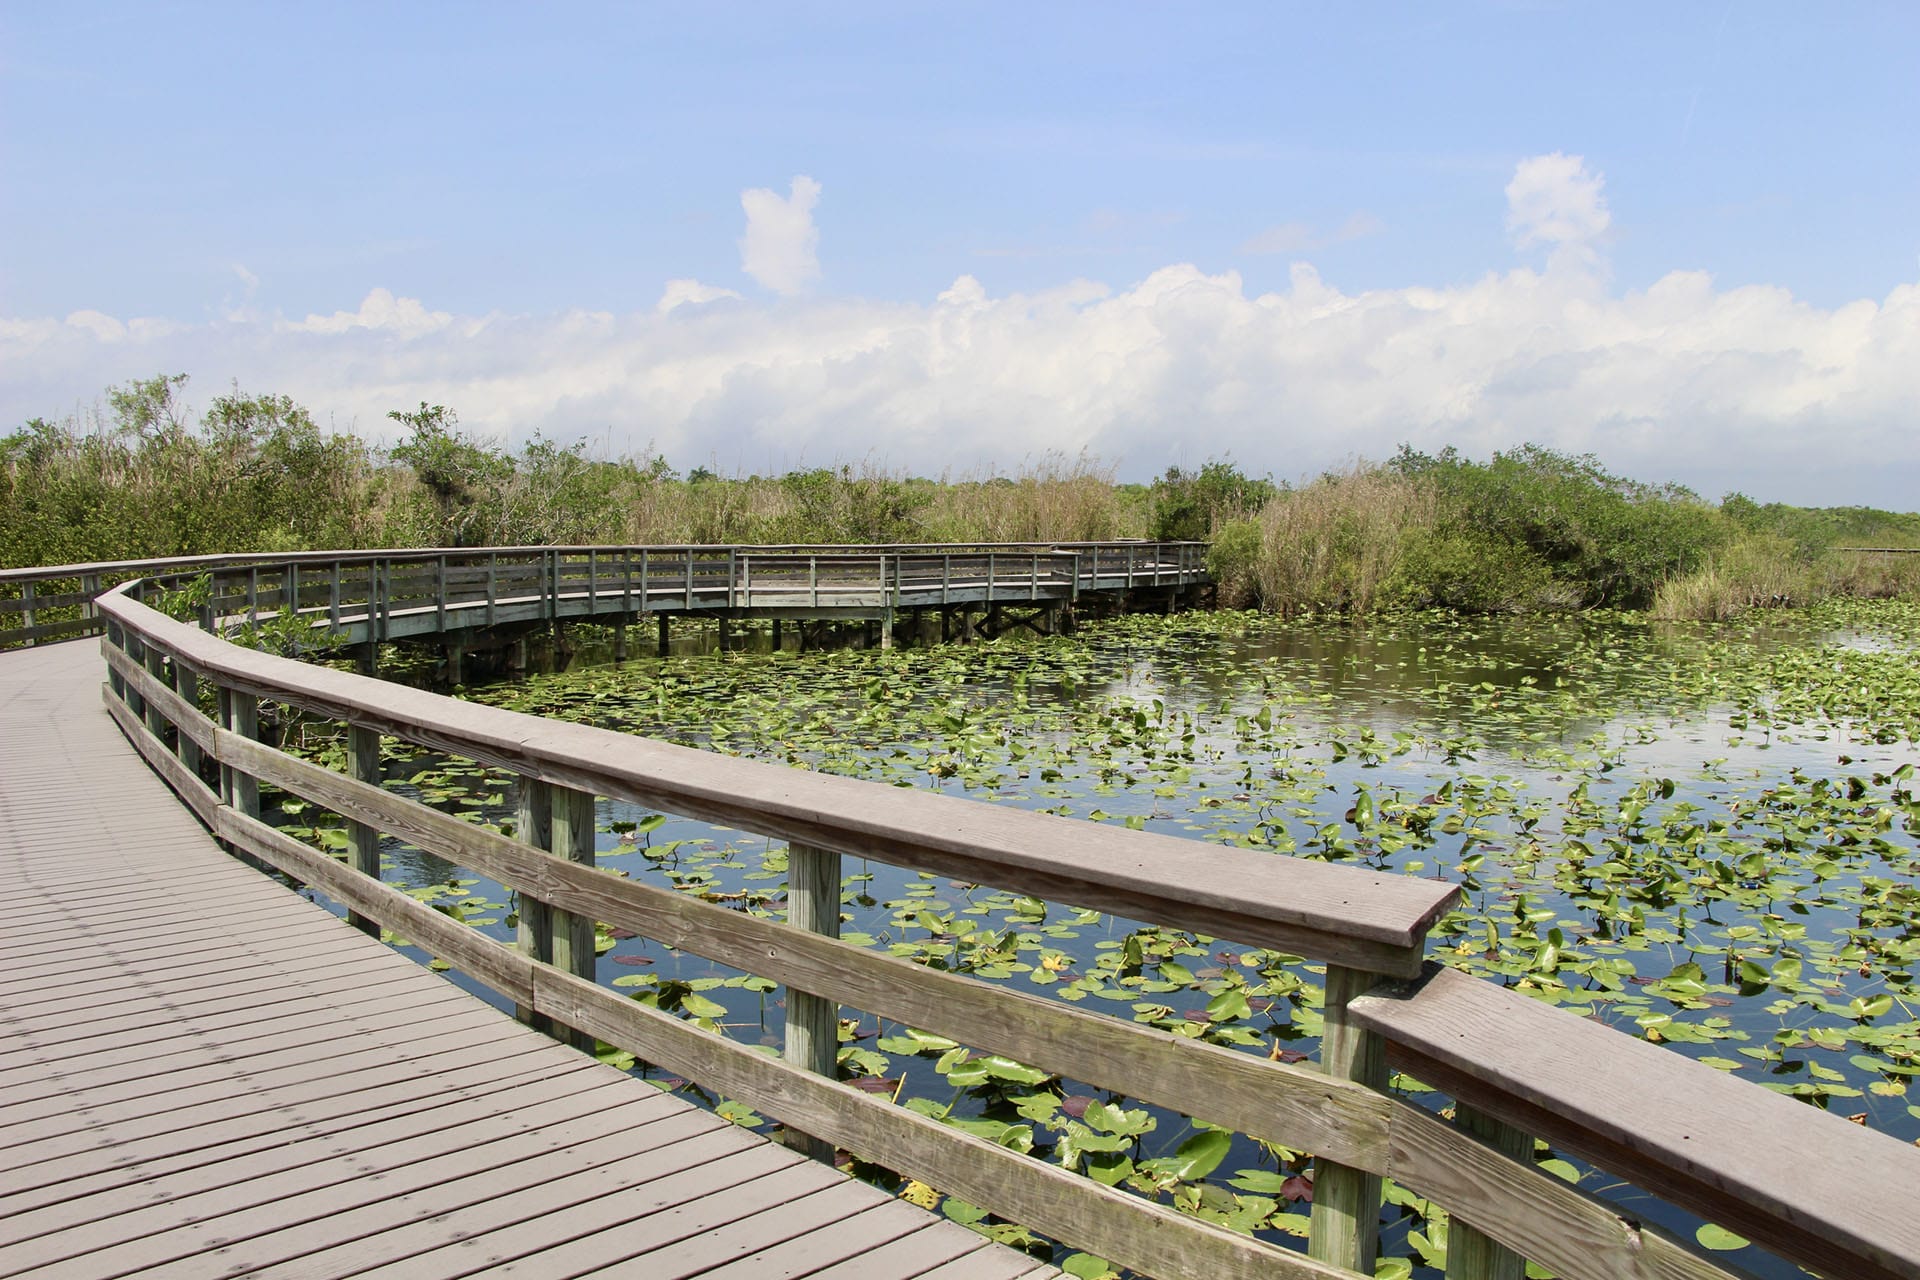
205 1075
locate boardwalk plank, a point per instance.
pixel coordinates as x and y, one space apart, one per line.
688 1141
696 1221
56 1011
151 1023
807 1254
178 970
468 1031
933 1245
116 1120
776 1226
195 1225
322 1128
133 949
354 1062
289 1027
498 1244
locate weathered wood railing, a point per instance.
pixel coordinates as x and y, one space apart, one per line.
1813 1188
384 595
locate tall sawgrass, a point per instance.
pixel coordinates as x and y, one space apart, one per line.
1750 571
1532 530
1340 542
1766 570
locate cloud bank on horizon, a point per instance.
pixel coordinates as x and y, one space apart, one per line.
1721 388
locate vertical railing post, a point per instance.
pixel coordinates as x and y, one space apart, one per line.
535 827
186 683
333 601
363 841
689 578
130 644
593 581
115 681
559 820
746 582
574 947
644 568
440 601
27 613
1346 1201
813 579
253 596
493 585
1472 1254
379 589
90 587
156 664
240 713
813 1021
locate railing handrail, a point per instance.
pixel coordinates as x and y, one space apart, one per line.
1843 1202
1313 908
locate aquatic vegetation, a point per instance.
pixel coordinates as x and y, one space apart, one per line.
1707 836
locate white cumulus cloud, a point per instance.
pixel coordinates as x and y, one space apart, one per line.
690 292
1553 200
781 248
404 317
1721 388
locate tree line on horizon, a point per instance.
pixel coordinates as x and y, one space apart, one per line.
1529 528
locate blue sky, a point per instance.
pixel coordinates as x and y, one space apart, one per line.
486 206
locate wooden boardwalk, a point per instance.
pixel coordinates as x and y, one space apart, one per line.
205 1075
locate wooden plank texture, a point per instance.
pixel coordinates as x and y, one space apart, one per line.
203 1074
1843 1205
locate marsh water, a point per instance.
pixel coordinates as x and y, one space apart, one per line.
1706 837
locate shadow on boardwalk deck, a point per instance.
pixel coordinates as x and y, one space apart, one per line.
205 1075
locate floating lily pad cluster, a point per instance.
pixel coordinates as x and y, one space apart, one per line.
1706 836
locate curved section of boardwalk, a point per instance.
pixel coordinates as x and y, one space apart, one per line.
202 1074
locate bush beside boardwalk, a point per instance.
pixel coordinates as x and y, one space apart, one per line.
1527 530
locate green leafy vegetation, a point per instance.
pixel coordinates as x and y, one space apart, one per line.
1529 529
255 473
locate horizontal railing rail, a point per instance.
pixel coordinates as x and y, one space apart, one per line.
1517 1068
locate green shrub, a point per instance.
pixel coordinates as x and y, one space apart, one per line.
1234 562
1189 506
